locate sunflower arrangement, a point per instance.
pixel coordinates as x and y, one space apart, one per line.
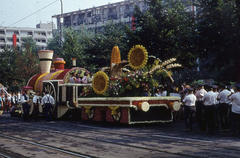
137 57
100 82
133 83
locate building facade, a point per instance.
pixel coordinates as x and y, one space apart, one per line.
41 34
96 17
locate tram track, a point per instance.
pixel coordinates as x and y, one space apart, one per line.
52 129
67 152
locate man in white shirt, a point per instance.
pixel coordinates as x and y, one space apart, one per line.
224 108
209 100
235 98
90 78
48 101
36 103
25 105
189 109
216 106
200 107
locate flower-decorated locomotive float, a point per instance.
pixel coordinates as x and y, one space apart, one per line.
123 92
120 95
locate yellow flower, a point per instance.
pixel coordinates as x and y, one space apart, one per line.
100 82
137 57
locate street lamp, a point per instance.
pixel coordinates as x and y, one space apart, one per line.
61 23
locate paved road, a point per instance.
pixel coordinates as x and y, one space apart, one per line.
91 139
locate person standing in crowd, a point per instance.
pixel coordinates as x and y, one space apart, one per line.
19 97
200 107
25 105
14 99
8 102
235 99
48 101
216 106
209 100
78 79
160 92
72 79
189 109
36 103
84 79
1 107
90 78
224 108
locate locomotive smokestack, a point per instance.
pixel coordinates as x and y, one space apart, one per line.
45 57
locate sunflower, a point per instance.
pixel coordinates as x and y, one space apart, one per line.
137 57
100 82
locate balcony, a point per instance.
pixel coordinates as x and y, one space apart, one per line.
128 13
112 15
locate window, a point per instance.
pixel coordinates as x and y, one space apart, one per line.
2 32
43 41
29 33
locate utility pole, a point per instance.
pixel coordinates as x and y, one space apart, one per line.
61 23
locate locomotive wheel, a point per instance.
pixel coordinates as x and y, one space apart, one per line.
50 88
117 117
91 114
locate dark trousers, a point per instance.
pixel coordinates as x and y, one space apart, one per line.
224 115
209 117
189 112
200 115
216 113
235 122
25 111
48 111
36 111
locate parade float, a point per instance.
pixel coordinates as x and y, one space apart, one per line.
119 94
116 92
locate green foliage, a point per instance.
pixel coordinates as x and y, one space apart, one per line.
218 34
166 30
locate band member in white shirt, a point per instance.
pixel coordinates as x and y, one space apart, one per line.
224 108
189 109
36 103
48 101
235 98
209 100
25 105
200 107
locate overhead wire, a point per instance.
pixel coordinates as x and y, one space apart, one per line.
33 13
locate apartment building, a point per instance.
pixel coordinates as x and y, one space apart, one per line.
42 33
96 17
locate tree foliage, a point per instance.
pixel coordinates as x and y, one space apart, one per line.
166 30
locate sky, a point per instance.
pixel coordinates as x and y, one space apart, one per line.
29 13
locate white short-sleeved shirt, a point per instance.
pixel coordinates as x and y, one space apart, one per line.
209 98
200 94
235 98
216 93
223 96
190 100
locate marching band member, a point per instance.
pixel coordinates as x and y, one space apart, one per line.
224 108
235 99
200 107
189 109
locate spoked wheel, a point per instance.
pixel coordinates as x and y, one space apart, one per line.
117 117
91 114
50 88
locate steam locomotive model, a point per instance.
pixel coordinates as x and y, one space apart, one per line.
128 110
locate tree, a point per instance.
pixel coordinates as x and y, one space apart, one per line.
7 67
166 30
26 65
217 37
